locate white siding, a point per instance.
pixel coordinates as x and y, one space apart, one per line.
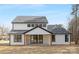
22 27
16 43
69 37
46 39
37 31
60 39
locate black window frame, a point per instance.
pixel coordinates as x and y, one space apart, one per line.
17 38
44 25
40 25
40 39
36 25
36 39
53 38
32 25
28 25
66 38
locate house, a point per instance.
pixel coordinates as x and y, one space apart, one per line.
28 30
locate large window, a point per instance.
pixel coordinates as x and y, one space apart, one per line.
17 38
66 38
44 25
28 25
36 25
32 25
36 39
40 25
40 38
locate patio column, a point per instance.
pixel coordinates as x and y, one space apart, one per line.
47 39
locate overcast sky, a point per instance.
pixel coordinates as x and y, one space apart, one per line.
56 14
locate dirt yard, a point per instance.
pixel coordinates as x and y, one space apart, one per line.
38 49
33 49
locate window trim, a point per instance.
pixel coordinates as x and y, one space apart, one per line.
32 25
66 38
53 38
17 38
44 25
28 25
40 25
35 39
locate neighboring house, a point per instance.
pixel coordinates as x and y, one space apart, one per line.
27 30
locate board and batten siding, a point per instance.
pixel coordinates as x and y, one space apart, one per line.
16 43
60 39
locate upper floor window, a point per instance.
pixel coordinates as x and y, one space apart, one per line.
40 25
44 25
32 25
36 25
28 25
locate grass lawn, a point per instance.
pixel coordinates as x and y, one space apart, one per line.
38 49
4 41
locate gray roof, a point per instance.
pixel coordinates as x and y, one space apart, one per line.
57 30
51 28
17 31
30 19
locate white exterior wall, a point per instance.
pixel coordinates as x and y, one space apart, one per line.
60 39
16 43
37 31
23 27
47 39
69 37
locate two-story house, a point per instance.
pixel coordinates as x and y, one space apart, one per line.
27 30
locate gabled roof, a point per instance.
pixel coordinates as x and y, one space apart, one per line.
25 31
50 27
38 27
30 19
57 29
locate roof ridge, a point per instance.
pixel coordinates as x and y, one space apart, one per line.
27 19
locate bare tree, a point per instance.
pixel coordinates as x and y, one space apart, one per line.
74 23
4 32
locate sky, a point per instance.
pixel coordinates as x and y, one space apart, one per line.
55 13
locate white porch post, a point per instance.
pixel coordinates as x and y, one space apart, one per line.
69 38
11 39
23 38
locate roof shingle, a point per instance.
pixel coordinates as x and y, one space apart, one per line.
30 19
57 29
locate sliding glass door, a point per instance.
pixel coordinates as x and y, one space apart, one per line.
36 39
